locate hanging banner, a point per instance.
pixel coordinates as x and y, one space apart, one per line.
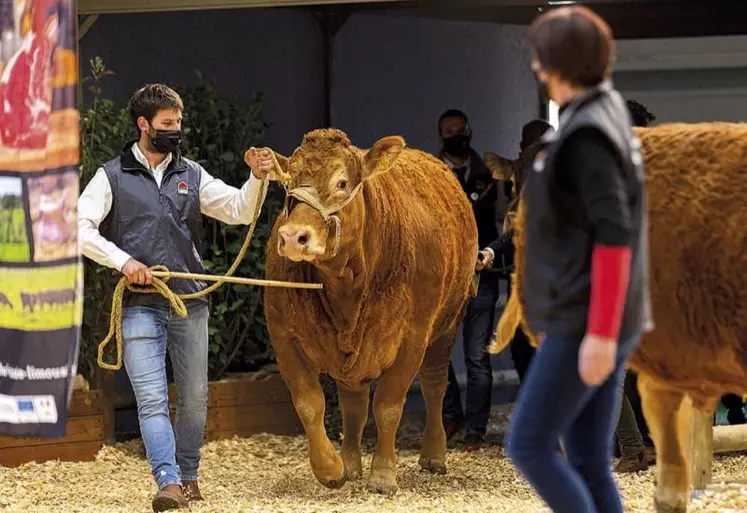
41 273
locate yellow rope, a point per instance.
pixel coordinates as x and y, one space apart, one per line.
159 287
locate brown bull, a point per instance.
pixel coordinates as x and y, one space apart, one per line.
392 238
696 178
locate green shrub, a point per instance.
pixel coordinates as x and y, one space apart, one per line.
217 130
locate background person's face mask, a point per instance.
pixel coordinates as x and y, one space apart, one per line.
457 145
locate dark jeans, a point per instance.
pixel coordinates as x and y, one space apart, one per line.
521 353
554 403
477 330
627 433
631 393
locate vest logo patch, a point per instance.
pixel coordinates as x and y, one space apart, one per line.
539 161
182 188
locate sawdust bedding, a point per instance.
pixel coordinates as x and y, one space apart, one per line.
268 473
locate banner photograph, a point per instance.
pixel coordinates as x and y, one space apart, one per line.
41 274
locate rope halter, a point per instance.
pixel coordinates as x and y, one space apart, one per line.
306 193
309 195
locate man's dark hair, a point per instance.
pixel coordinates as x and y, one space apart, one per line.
573 42
640 114
452 113
150 99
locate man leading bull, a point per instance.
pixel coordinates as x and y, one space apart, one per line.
585 286
141 209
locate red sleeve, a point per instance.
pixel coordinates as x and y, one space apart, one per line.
610 271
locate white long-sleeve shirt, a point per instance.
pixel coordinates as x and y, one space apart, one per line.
217 199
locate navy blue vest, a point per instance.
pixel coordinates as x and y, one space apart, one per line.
156 226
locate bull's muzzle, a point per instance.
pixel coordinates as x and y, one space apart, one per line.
298 243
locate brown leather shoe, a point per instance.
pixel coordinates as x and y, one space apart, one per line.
169 498
191 491
632 463
473 442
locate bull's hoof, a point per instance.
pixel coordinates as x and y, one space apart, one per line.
353 464
328 468
661 507
383 481
432 465
334 484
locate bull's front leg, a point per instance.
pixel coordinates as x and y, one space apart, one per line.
354 405
389 401
302 378
668 423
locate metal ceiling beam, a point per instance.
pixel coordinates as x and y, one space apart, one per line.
630 19
498 4
135 6
86 25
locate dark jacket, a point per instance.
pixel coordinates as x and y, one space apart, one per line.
482 191
503 249
561 226
156 226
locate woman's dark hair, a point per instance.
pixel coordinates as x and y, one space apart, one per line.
640 114
150 99
575 43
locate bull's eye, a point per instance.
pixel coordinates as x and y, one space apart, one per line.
342 184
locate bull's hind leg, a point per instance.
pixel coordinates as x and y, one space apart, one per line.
389 400
662 408
433 381
302 379
354 405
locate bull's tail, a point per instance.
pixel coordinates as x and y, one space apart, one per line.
507 325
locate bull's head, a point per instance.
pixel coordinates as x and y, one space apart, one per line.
323 178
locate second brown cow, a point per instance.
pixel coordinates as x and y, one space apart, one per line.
696 184
392 238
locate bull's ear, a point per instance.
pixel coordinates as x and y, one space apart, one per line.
500 167
381 156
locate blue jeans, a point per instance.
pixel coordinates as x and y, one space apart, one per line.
477 329
554 403
173 454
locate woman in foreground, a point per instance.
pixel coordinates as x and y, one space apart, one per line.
585 287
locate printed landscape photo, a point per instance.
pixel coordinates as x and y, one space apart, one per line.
14 245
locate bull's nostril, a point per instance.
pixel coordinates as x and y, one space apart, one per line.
303 239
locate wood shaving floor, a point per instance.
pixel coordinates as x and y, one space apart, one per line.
272 474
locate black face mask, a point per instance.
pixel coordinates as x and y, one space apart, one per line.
165 141
457 145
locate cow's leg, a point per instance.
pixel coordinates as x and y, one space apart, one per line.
354 405
389 400
433 382
661 408
302 378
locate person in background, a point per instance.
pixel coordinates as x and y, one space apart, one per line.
631 440
585 279
489 205
734 409
521 350
141 209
